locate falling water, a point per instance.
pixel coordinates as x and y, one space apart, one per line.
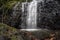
24 14
32 15
29 12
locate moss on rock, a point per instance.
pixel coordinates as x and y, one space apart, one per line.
9 32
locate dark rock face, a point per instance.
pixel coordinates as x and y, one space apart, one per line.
18 19
16 16
48 15
0 16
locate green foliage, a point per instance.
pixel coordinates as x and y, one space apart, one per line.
10 4
6 5
9 32
2 2
5 29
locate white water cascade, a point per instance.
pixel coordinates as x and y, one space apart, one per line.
29 9
32 15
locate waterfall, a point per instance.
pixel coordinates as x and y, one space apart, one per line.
32 15
29 10
24 14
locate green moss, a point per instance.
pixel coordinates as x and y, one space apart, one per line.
10 4
9 32
13 37
6 29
